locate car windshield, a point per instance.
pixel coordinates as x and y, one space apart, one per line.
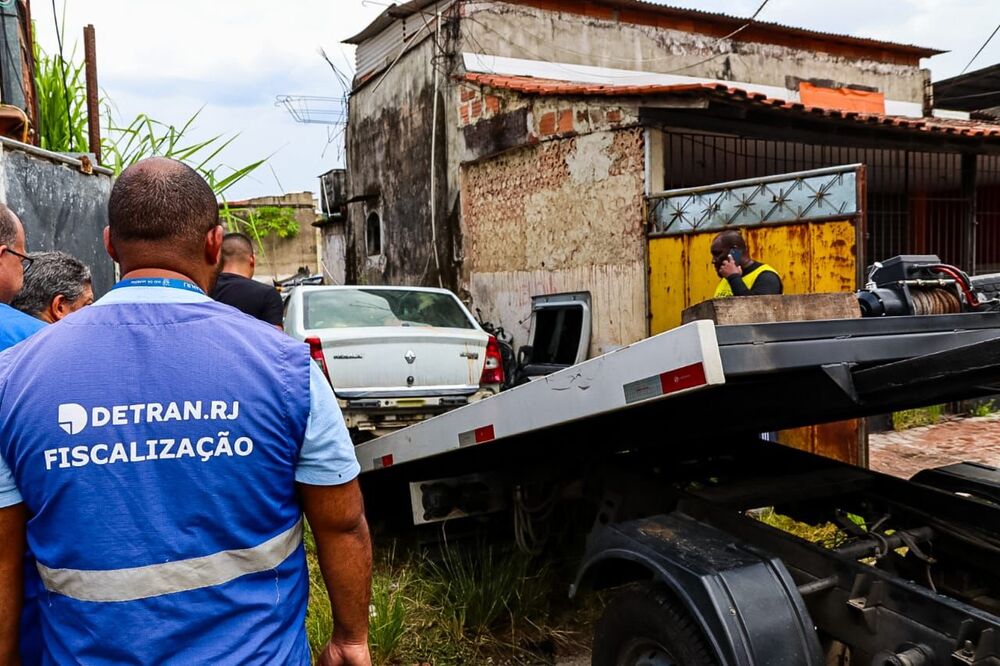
355 308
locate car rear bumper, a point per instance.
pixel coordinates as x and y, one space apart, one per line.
416 392
383 414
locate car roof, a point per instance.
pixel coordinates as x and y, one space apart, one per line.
367 287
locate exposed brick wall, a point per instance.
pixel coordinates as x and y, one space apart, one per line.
476 104
570 202
553 118
565 117
563 215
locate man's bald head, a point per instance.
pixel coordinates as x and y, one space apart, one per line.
10 226
11 268
732 239
238 255
236 247
727 241
159 200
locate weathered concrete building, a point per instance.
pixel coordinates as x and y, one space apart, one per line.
332 225
505 149
283 257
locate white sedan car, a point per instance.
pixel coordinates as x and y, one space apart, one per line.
394 355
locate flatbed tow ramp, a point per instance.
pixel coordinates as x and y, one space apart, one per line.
651 458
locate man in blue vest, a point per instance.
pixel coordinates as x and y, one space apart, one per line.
161 449
14 325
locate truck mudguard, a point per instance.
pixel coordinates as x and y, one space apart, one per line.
746 602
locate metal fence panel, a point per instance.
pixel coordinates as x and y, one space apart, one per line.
915 201
806 196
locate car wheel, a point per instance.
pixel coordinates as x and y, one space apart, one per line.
644 625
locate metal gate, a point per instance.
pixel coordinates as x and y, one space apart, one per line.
805 224
917 202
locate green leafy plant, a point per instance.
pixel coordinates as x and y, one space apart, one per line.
147 137
263 221
915 418
62 103
388 610
826 534
983 409
479 588
62 127
474 604
388 614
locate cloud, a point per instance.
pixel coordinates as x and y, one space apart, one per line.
169 59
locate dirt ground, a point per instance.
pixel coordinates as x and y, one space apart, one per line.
905 453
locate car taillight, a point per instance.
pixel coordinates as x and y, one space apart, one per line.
493 368
316 353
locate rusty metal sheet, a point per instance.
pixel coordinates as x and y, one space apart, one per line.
812 258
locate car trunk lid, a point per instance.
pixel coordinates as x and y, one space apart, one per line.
396 361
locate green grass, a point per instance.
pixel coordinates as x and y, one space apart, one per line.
467 604
914 418
319 619
388 617
983 409
478 589
62 103
827 534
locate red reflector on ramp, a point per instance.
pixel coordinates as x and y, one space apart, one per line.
384 461
666 383
477 436
685 378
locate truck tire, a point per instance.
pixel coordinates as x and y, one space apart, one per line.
644 625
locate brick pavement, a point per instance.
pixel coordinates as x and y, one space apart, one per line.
905 453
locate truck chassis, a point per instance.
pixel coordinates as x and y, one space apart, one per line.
657 447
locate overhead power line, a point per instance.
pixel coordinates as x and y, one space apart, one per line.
988 40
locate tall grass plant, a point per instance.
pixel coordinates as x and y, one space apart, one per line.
62 103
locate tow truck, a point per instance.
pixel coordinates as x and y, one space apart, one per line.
654 462
658 446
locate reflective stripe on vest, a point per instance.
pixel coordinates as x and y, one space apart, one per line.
171 577
724 290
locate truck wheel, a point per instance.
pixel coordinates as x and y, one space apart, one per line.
645 626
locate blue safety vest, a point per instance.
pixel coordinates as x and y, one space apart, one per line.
155 447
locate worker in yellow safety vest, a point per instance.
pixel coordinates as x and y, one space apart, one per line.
741 275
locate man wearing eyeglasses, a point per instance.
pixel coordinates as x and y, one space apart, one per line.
14 324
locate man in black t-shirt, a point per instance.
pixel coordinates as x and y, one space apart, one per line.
236 288
741 275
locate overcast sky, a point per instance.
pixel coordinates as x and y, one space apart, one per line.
169 59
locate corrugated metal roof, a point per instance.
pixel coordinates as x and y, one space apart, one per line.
386 18
973 91
550 87
410 8
738 21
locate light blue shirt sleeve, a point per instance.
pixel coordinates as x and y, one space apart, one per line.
9 495
327 456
